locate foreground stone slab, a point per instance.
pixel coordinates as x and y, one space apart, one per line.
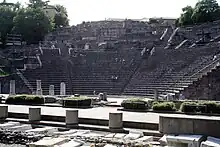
184 140
163 140
9 125
46 130
111 135
211 142
77 134
21 128
119 135
91 135
65 132
72 143
144 139
49 142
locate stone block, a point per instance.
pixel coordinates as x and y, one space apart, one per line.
177 124
20 128
34 114
133 135
72 143
65 132
184 140
12 88
78 133
3 112
51 90
9 125
163 140
62 88
49 142
120 135
72 118
45 130
211 142
111 135
115 121
145 139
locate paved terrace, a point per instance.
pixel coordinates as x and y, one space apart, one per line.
102 113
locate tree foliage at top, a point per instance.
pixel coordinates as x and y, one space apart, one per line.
61 17
31 22
204 11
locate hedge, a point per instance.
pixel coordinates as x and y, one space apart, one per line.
135 103
163 106
25 100
77 102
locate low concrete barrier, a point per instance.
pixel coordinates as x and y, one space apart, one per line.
189 125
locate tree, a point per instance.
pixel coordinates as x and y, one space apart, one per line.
186 16
32 24
206 11
61 17
37 3
7 14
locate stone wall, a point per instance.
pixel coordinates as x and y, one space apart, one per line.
206 88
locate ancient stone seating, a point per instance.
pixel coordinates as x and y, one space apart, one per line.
170 71
104 71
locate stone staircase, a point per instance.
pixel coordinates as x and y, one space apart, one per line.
170 71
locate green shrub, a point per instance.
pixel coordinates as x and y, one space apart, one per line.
77 102
164 106
193 107
138 104
25 100
211 107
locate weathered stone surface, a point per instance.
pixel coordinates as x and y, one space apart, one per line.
72 118
9 124
211 142
49 142
115 121
34 114
20 128
190 125
181 140
45 130
3 112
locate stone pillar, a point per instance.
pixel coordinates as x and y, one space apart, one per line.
12 87
34 114
72 119
116 122
3 112
105 96
0 87
62 88
39 89
51 90
156 95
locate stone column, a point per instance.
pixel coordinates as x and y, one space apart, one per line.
3 112
72 119
0 87
62 88
156 94
51 90
39 89
116 122
34 114
12 87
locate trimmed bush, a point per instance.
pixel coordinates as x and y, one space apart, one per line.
193 107
25 100
163 106
77 102
137 104
211 107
